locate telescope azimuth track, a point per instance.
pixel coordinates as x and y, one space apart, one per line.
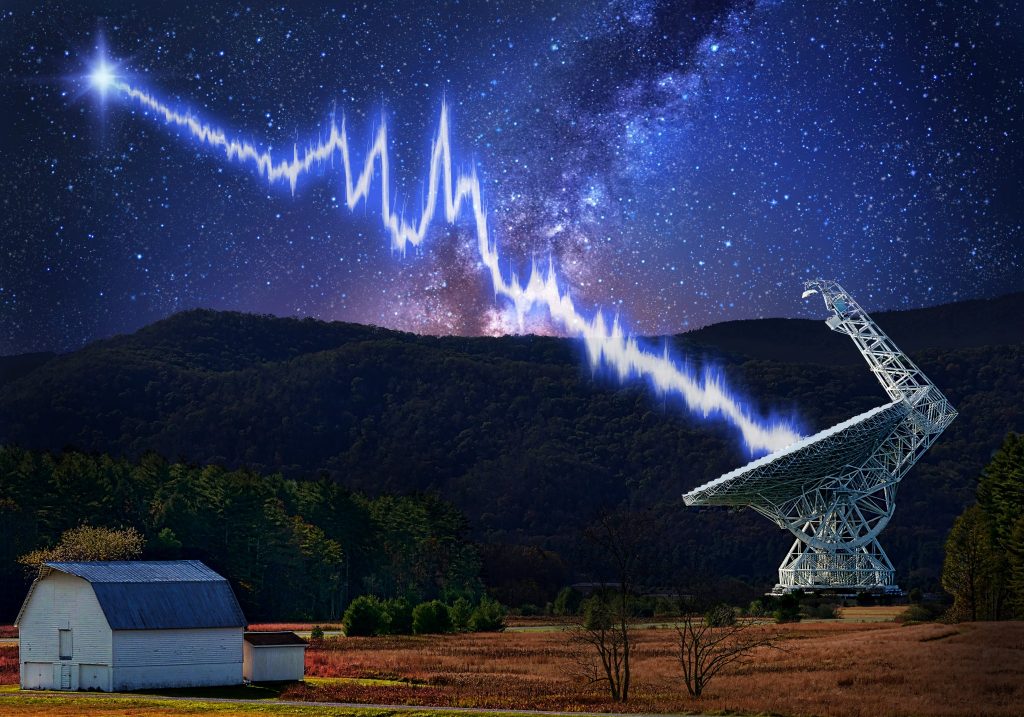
836 490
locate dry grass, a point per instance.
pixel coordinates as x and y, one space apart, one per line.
828 668
9 669
872 613
834 668
293 626
8 632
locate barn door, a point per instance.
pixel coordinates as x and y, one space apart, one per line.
64 644
65 677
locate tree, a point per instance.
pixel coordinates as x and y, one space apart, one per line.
460 612
397 617
363 617
968 572
715 641
430 618
601 634
1015 560
1001 498
1001 488
567 602
621 542
488 616
88 542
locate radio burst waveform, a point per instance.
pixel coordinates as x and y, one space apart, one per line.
607 344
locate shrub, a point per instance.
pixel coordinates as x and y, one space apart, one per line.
758 608
920 612
396 617
720 616
489 616
317 633
364 616
820 611
430 618
787 608
460 612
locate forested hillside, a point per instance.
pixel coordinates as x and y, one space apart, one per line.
516 431
292 549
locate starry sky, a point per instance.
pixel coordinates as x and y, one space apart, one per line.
680 163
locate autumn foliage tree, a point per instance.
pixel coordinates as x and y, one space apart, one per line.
87 542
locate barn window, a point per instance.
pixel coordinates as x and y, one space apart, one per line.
65 644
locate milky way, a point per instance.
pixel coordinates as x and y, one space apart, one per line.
683 166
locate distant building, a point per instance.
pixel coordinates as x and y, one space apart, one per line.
273 657
129 625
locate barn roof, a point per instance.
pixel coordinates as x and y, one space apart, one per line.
157 595
273 639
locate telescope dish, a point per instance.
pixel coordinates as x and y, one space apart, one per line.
836 490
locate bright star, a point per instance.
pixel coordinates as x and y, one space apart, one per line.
102 76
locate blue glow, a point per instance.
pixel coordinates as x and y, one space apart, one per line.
610 347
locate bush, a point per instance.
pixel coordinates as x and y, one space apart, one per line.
758 608
396 617
317 633
787 608
460 611
489 616
364 616
430 618
820 611
921 612
720 616
567 602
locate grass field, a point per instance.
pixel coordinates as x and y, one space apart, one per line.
853 667
828 667
93 706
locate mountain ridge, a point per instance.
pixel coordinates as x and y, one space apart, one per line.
517 431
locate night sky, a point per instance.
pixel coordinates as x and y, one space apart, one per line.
680 163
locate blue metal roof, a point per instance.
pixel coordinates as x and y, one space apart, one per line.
159 595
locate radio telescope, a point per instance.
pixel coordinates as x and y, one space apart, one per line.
836 490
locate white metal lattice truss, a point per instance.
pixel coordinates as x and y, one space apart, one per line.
836 490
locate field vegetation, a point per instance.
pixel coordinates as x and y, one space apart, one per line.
848 668
827 667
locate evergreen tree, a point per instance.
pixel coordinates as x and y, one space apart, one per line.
1001 488
968 573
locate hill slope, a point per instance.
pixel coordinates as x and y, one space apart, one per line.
515 430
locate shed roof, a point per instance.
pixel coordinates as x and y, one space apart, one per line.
156 595
274 639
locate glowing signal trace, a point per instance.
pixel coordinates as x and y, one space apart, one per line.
607 344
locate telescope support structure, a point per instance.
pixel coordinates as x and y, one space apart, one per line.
836 523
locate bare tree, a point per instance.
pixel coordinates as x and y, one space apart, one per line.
603 634
621 542
715 641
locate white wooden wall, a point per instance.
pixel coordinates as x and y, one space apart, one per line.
177 658
273 663
62 602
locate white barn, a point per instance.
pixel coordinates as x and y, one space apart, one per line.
273 657
129 625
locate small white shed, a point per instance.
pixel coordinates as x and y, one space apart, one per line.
273 657
129 625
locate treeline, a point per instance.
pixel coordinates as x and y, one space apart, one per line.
370 615
292 549
516 431
984 566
